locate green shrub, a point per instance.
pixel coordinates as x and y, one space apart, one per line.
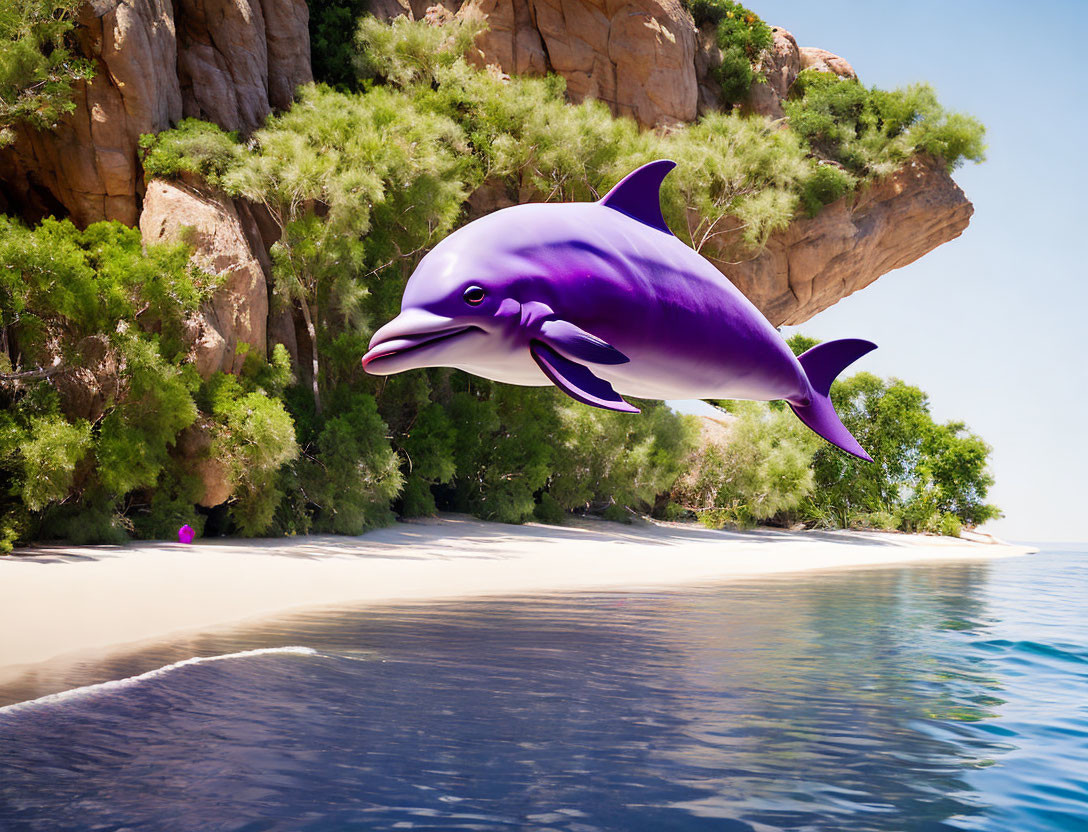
882 520
84 301
37 64
428 451
548 510
616 513
355 474
950 525
872 132
194 146
88 301
59 285
416 498
94 518
13 528
672 512
50 450
253 435
505 448
135 436
734 515
826 185
737 181
741 36
403 52
523 133
172 505
608 457
760 471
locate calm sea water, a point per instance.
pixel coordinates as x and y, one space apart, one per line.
908 698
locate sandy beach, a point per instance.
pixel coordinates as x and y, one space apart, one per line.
66 600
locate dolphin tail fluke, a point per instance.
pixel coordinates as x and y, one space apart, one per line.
822 364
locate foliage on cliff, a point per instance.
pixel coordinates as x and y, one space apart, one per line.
871 132
738 179
741 36
37 66
193 147
332 28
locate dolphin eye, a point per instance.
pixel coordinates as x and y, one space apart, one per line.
474 295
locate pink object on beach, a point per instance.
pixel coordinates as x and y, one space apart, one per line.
186 534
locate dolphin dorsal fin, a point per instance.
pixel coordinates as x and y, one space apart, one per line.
638 194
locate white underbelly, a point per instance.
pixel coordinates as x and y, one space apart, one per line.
641 380
513 368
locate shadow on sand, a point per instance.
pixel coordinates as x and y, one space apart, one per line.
449 537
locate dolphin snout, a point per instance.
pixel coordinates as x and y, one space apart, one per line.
409 323
410 330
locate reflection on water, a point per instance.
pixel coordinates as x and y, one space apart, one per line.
929 697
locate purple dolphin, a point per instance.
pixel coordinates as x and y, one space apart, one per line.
599 298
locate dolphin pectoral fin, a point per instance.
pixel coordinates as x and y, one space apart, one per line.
577 381
575 342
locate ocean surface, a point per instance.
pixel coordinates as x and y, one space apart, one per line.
929 697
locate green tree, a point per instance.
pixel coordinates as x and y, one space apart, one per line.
608 458
355 473
355 183
504 449
428 450
800 343
37 65
757 468
921 470
253 435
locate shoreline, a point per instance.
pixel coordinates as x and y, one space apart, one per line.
58 601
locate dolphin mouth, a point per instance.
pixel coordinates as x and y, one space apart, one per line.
399 346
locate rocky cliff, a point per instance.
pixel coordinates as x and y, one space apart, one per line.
226 243
817 262
234 61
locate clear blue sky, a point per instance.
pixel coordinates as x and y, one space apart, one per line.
992 324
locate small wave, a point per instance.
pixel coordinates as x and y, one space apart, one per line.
101 687
1054 651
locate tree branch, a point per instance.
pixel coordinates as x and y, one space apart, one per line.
33 375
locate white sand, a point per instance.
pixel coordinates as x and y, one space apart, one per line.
61 600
